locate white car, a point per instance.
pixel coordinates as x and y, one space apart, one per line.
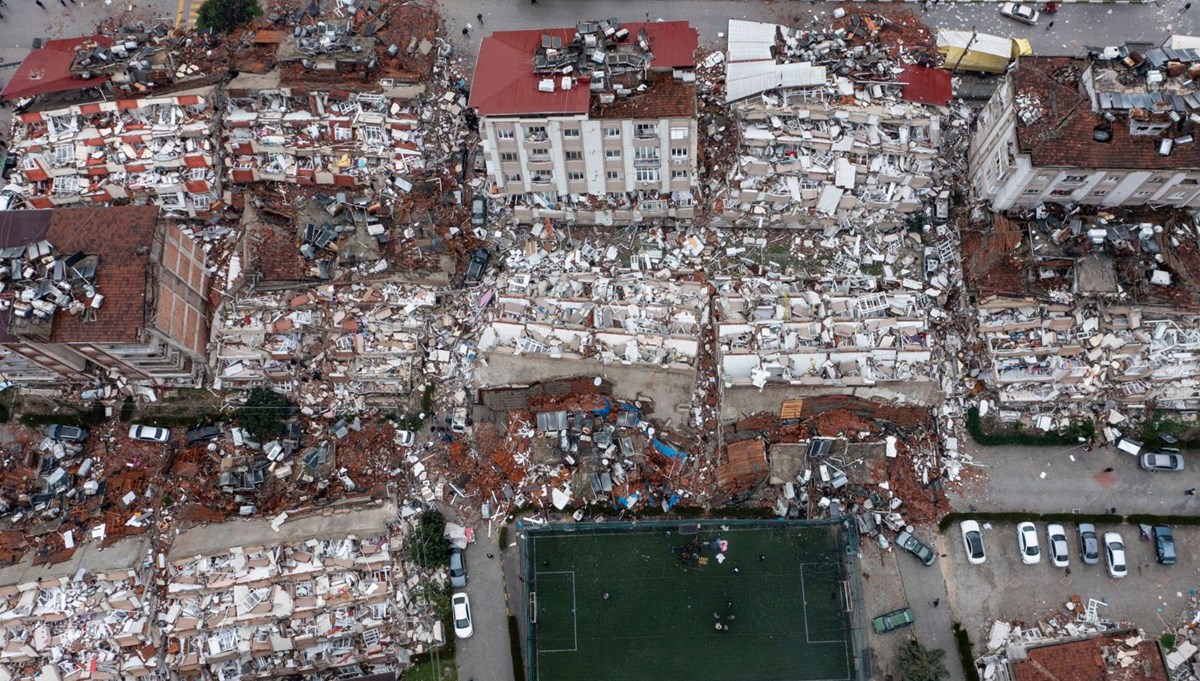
462 615
1022 13
972 541
149 433
1031 553
1114 553
405 438
1056 545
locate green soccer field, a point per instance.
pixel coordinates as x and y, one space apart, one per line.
779 598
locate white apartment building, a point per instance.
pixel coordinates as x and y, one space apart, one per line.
587 124
1114 130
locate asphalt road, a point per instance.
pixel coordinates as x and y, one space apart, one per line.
1053 480
485 656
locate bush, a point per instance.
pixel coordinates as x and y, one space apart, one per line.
428 545
502 539
262 415
1071 436
223 16
963 641
93 417
1167 641
918 663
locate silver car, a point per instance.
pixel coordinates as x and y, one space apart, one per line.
1089 544
149 433
1161 460
1022 13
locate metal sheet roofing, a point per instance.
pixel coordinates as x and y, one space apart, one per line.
745 79
505 84
48 69
751 40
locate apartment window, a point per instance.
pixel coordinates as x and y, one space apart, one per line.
508 156
1099 192
1112 178
504 134
679 152
612 175
1191 181
679 174
541 178
1143 194
575 176
64 153
574 155
1177 196
1043 178
535 133
1031 192
65 184
679 133
1156 180
1074 178
647 175
646 130
612 132
515 177
1061 192
571 132
645 154
612 154
539 154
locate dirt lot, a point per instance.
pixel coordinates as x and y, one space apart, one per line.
1004 588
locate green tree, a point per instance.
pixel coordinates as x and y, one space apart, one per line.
262 415
918 663
223 16
428 545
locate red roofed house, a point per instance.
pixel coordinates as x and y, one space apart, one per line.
101 292
1092 131
600 110
48 69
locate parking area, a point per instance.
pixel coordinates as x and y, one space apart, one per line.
1004 588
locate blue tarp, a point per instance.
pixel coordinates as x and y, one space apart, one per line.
630 500
604 411
668 449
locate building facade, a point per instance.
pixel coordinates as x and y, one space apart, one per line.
599 130
1092 131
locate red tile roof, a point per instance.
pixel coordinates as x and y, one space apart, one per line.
926 85
1063 135
1084 661
47 70
505 84
667 97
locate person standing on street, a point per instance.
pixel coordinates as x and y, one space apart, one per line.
1049 25
480 18
39 4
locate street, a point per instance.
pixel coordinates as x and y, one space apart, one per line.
485 656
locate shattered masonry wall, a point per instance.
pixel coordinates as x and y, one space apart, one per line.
364 338
319 138
801 333
1042 352
800 154
156 148
623 319
62 629
323 606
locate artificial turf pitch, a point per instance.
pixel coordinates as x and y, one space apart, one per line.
659 621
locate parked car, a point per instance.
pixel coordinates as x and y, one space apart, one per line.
10 197
972 541
1089 544
892 621
201 433
914 546
405 438
478 211
65 433
1114 553
1164 545
458 568
461 609
1031 553
149 433
1056 545
1022 13
1160 460
475 268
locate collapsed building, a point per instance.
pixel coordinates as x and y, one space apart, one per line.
159 149
1111 129
1087 309
594 124
110 293
832 125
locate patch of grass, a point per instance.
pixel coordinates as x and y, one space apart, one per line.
429 669
514 643
1085 429
875 269
92 417
1167 641
1159 424
963 640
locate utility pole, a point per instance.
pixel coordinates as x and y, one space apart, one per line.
964 52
